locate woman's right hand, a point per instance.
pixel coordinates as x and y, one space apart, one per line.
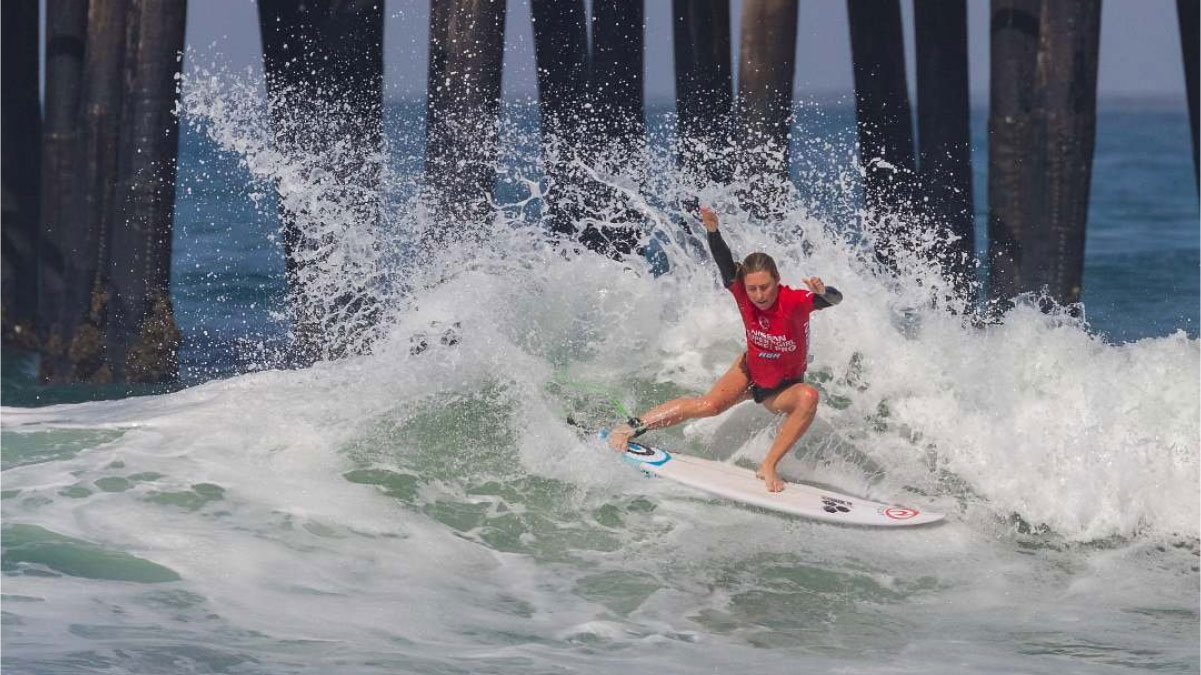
709 219
619 438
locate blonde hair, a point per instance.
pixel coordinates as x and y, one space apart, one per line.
757 262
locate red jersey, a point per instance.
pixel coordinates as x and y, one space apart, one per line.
777 339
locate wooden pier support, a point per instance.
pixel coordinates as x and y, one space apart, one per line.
884 120
1188 13
60 306
704 86
323 61
944 130
581 119
1063 137
467 42
617 120
1042 133
561 59
616 75
767 63
81 356
324 56
111 145
19 139
1014 34
143 338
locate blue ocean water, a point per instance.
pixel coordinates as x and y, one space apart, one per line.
429 510
1141 265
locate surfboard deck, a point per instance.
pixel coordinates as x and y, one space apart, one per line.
798 499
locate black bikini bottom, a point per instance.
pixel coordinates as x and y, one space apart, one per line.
761 394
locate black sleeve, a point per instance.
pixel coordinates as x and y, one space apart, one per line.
723 258
828 299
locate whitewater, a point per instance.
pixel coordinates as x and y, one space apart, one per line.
427 506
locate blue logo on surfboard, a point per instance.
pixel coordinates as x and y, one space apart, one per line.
637 453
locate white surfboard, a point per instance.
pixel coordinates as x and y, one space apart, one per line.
741 485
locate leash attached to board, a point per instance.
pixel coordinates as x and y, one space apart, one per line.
635 423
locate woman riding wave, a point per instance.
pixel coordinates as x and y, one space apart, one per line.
771 370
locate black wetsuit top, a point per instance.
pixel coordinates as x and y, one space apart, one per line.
729 271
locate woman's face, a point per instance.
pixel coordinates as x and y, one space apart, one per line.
762 288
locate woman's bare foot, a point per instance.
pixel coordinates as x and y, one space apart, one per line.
768 476
619 438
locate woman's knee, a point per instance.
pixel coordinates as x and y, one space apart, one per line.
807 398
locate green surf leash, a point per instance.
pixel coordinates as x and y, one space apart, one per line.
592 389
635 423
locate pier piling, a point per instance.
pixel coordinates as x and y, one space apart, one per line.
323 62
21 160
883 117
616 74
61 231
704 86
1188 13
766 65
142 335
462 110
944 131
82 356
1063 135
1014 35
561 60
581 121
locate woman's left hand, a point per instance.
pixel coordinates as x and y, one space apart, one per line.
815 284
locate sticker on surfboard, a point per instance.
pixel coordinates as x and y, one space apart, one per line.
637 453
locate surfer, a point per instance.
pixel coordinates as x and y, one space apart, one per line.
771 370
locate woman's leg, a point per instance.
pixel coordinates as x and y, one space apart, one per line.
799 403
731 388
